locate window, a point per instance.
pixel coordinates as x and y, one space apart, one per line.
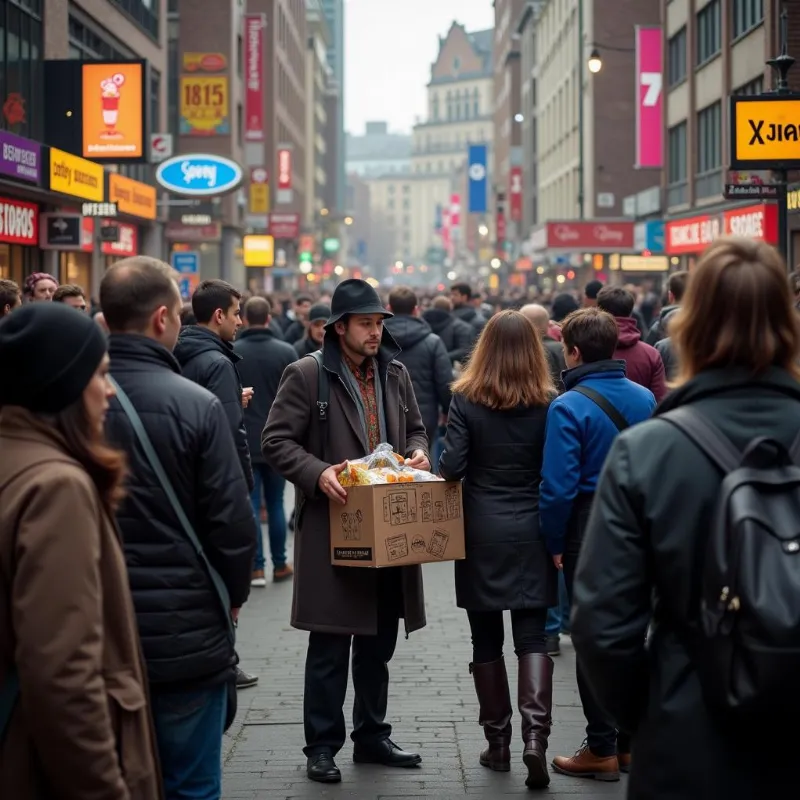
709 40
476 103
677 165
143 12
435 108
746 15
456 64
173 85
676 58
155 100
755 86
87 44
21 54
709 151
449 106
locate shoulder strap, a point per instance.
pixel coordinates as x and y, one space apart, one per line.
718 447
155 464
611 411
323 387
794 450
9 692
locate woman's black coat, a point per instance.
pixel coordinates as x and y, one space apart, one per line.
641 561
499 455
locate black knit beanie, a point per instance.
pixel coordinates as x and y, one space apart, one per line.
49 352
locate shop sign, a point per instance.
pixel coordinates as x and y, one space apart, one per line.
515 193
66 232
14 109
176 232
127 243
284 226
692 235
649 123
20 158
793 199
113 110
649 236
204 105
199 175
284 169
76 176
590 236
204 62
161 147
132 197
19 222
254 26
258 251
758 222
196 219
99 209
644 263
765 132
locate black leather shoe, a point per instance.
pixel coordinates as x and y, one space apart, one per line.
385 752
322 769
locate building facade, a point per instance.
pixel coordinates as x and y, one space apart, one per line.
526 33
377 152
334 14
714 49
318 74
57 223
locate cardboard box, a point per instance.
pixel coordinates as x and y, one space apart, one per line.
398 524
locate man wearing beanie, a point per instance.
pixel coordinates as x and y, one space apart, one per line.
185 631
371 400
315 332
263 359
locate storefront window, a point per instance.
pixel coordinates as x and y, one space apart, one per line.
17 262
76 268
21 76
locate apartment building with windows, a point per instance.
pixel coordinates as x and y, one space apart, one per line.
712 49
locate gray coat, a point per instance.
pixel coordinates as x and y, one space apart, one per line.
299 446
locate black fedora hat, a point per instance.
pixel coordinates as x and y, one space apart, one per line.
355 296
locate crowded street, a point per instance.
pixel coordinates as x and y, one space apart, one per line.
432 706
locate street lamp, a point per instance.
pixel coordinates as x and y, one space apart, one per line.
348 220
483 230
519 117
595 63
338 269
323 212
496 263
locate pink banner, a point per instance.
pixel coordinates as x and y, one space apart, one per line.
455 210
254 25
649 98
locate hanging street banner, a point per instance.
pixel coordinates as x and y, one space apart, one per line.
649 98
478 188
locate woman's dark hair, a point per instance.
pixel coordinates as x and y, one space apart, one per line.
104 465
563 305
187 315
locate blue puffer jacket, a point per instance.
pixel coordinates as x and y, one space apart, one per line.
578 437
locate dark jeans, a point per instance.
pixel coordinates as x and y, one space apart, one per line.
189 727
273 487
527 628
601 733
558 616
327 667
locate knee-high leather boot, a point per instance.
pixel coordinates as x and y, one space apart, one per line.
494 698
535 694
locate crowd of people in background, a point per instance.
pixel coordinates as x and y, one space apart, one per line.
146 439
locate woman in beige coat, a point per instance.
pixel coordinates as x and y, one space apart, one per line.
74 716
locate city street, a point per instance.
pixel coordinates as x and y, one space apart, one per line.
432 706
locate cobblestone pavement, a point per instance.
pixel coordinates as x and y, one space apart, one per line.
432 707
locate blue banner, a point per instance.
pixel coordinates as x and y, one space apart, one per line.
477 173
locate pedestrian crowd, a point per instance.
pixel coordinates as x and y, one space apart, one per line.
630 473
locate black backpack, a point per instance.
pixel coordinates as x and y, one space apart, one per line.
748 648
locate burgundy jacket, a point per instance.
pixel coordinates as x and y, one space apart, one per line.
643 362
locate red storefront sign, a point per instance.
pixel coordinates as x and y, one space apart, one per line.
284 226
455 210
515 193
19 222
126 245
591 236
284 169
758 222
502 231
693 234
254 25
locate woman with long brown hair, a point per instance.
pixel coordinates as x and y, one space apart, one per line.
495 442
663 534
74 717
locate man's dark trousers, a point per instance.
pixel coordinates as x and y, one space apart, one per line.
327 669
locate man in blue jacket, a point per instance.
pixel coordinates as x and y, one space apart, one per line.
582 423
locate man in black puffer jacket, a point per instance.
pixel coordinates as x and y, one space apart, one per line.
456 334
206 355
190 657
423 355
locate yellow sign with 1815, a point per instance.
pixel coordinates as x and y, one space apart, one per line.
765 132
204 105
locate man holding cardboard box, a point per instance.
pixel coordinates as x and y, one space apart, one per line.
327 411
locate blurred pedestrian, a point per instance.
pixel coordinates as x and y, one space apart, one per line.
40 287
10 297
74 717
495 443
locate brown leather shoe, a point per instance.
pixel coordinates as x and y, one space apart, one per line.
624 762
535 699
283 573
585 764
494 698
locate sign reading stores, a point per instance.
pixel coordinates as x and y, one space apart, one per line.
758 222
19 222
201 175
76 176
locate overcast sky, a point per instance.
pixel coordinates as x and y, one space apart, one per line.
389 48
